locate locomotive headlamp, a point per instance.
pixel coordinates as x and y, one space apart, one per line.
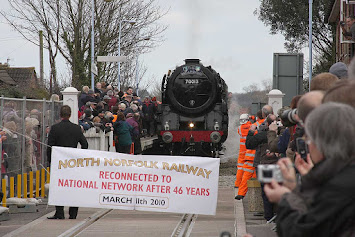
191 125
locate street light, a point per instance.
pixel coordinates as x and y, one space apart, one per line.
310 43
92 44
137 83
119 51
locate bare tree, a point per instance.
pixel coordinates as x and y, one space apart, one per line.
67 28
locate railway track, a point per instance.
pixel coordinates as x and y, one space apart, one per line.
182 229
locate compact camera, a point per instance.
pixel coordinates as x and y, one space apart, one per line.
268 172
342 23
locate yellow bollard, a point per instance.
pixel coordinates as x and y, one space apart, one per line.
25 185
31 184
12 187
42 182
37 183
19 186
48 175
4 192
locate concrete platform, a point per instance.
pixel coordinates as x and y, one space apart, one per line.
231 216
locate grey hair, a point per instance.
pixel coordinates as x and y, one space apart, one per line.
267 109
123 105
331 128
86 89
134 107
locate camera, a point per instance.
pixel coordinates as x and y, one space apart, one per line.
302 147
342 23
288 117
268 172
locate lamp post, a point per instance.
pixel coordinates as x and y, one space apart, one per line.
119 51
92 44
310 43
137 83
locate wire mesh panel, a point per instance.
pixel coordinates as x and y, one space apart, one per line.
13 124
26 123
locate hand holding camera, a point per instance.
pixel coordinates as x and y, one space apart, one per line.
275 191
303 166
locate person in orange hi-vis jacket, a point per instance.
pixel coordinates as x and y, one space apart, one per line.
248 168
243 130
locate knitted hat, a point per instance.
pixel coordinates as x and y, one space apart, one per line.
339 69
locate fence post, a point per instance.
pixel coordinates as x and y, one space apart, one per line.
1 124
3 182
102 140
43 133
23 146
70 97
275 99
110 142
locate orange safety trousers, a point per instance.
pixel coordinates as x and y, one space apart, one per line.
243 132
248 172
248 168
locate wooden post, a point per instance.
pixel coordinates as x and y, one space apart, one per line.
48 175
31 184
12 187
43 177
4 192
25 185
37 183
19 185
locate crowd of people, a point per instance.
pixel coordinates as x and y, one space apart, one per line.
124 113
316 196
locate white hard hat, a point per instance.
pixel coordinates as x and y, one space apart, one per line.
243 118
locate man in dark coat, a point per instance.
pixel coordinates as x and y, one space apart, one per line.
65 134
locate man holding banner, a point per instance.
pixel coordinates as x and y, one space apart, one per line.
65 134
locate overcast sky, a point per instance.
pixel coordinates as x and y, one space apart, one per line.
224 34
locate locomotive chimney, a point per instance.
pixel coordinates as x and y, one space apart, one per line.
192 61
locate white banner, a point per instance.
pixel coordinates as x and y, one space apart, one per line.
99 179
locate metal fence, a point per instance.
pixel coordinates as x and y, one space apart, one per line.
26 123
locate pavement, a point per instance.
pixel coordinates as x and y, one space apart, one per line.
232 216
256 225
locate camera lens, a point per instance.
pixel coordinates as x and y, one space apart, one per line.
288 117
267 173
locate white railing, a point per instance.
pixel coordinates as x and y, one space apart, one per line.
99 140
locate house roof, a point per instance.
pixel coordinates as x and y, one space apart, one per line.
4 76
23 74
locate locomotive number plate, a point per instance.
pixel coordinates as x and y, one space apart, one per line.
191 81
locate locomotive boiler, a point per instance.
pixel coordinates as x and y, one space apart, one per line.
193 116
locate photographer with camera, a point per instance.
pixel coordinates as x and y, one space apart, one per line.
248 167
323 205
349 22
263 155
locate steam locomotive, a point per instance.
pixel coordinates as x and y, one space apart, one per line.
193 116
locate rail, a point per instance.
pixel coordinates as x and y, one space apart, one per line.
184 227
